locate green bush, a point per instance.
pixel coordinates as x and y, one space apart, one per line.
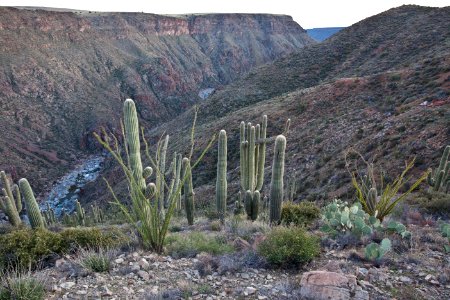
289 246
21 287
301 214
74 238
432 202
182 245
26 247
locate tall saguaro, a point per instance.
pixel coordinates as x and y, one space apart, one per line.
221 181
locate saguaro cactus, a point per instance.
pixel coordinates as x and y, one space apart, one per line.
33 211
178 181
252 158
276 184
80 214
221 181
18 198
162 168
238 207
7 203
440 178
131 125
188 191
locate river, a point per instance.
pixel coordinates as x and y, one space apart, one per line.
66 191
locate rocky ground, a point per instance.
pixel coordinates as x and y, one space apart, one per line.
421 272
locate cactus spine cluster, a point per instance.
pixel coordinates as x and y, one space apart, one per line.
188 191
221 181
10 206
276 184
439 180
33 211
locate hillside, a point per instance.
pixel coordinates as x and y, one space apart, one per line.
384 92
64 74
321 34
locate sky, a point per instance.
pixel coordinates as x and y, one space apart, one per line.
309 14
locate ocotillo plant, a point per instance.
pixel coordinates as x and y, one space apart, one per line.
439 180
276 184
33 211
7 203
188 191
221 180
151 224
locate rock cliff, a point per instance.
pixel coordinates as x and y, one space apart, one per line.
64 74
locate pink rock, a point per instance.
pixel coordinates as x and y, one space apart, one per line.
325 285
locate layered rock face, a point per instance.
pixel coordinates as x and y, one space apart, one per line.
65 74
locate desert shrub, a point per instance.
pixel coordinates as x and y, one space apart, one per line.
74 238
432 202
289 246
96 260
189 245
18 286
301 214
216 226
245 229
26 247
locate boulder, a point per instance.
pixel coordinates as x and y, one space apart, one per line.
325 285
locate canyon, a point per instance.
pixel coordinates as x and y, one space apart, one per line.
65 74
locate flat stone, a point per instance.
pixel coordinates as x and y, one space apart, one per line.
249 290
405 279
325 285
119 260
143 275
144 264
67 285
